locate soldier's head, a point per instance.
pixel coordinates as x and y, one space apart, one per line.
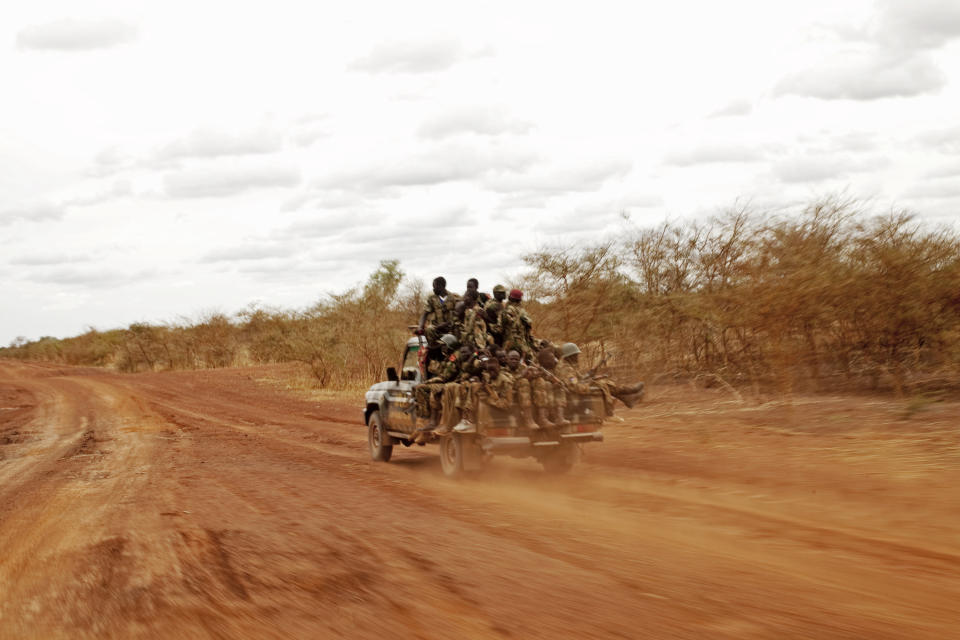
499 293
500 355
513 360
470 298
491 366
473 284
465 351
547 359
570 352
440 286
515 296
449 342
459 310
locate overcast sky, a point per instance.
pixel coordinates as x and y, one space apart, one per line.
162 159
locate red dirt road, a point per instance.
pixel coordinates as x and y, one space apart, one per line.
208 504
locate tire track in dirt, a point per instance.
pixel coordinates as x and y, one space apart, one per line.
205 505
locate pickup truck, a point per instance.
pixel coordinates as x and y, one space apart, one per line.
390 416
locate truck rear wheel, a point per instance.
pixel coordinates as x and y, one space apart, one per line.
561 459
381 444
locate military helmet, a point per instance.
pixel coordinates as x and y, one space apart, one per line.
450 340
499 289
568 349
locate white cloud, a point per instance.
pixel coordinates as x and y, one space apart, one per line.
94 278
411 56
735 108
713 154
935 190
946 139
477 120
33 212
918 24
561 178
210 182
209 143
820 167
76 35
864 75
48 259
247 252
433 165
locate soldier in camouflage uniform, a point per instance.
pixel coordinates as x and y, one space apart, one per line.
549 394
438 312
575 382
515 326
491 312
474 285
428 395
456 402
522 388
474 332
495 386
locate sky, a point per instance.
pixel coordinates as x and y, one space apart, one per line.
163 160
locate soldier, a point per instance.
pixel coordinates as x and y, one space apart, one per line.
548 392
474 332
575 382
474 285
438 312
429 394
522 389
495 387
515 325
456 401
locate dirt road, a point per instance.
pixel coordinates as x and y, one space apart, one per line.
208 504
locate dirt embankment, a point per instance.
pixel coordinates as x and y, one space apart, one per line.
208 504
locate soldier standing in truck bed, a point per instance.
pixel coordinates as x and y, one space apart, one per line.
438 315
515 325
474 332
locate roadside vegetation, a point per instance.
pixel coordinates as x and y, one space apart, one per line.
826 298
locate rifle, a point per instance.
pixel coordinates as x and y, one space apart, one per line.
549 375
592 373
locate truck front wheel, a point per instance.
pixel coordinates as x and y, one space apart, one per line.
381 444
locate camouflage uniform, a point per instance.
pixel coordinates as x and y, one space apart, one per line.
515 328
497 392
522 389
492 312
428 394
475 329
575 383
439 311
548 394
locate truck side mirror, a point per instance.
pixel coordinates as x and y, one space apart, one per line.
392 374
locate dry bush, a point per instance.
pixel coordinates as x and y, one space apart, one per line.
824 297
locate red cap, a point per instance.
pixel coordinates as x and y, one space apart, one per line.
516 294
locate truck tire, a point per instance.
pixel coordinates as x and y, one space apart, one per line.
381 444
561 460
451 455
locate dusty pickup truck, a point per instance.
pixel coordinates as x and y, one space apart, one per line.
390 415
